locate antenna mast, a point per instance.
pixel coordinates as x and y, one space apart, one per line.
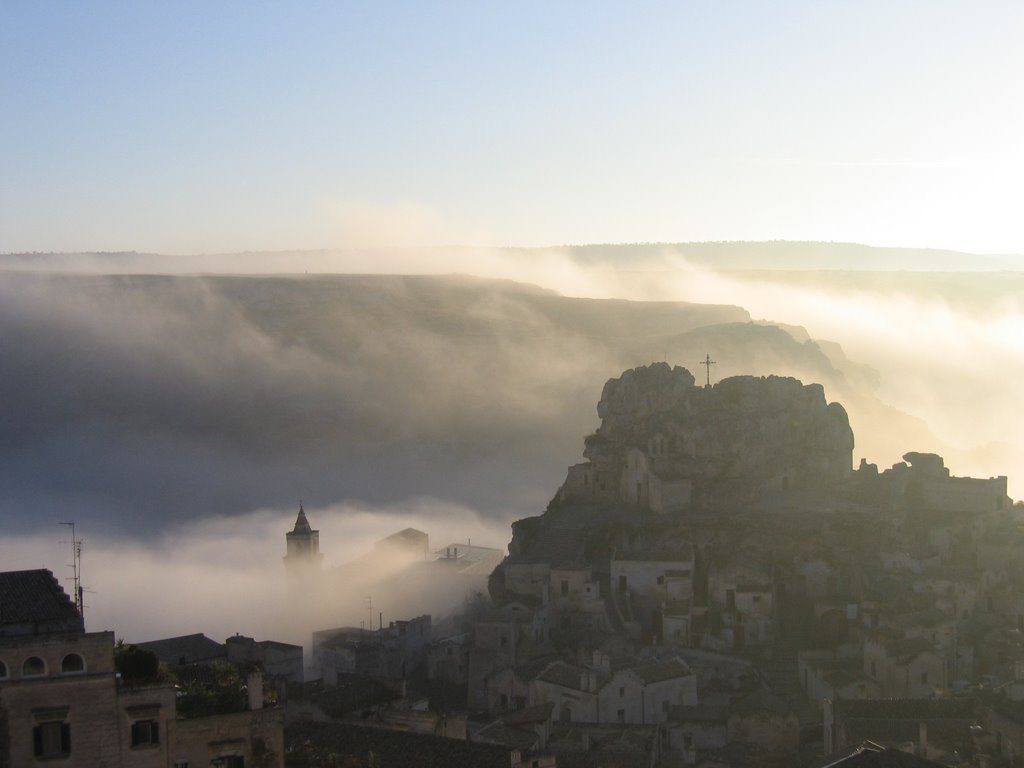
76 568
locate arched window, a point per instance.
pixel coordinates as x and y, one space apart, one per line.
3 670
33 667
72 663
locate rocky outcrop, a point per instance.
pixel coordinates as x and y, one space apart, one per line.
666 443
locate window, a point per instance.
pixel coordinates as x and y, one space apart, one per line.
661 579
145 733
33 667
52 739
565 587
622 715
72 663
622 692
3 670
756 598
924 678
181 764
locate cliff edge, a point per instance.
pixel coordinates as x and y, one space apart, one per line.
667 444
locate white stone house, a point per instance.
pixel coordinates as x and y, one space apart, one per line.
676 623
571 689
836 673
642 694
645 694
656 488
904 668
506 628
573 587
663 575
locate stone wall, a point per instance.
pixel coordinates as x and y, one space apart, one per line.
257 737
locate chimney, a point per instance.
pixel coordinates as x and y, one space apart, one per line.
255 688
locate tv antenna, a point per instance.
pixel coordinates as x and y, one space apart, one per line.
76 567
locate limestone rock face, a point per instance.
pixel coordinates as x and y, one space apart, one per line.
665 442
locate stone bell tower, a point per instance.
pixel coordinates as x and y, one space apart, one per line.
303 555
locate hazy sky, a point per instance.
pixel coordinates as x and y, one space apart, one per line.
195 126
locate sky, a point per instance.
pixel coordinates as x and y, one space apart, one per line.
197 127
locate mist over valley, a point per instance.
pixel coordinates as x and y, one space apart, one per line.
141 405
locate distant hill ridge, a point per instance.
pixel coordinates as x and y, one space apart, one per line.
781 255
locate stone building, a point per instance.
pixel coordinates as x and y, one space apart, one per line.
61 699
303 555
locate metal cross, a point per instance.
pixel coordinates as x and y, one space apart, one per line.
707 361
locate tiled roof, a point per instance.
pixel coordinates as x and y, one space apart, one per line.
538 713
871 755
33 601
393 748
531 669
507 735
897 721
737 754
662 670
926 618
914 709
845 675
603 758
758 703
570 676
703 713
278 645
1011 710
746 587
187 649
905 649
353 693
